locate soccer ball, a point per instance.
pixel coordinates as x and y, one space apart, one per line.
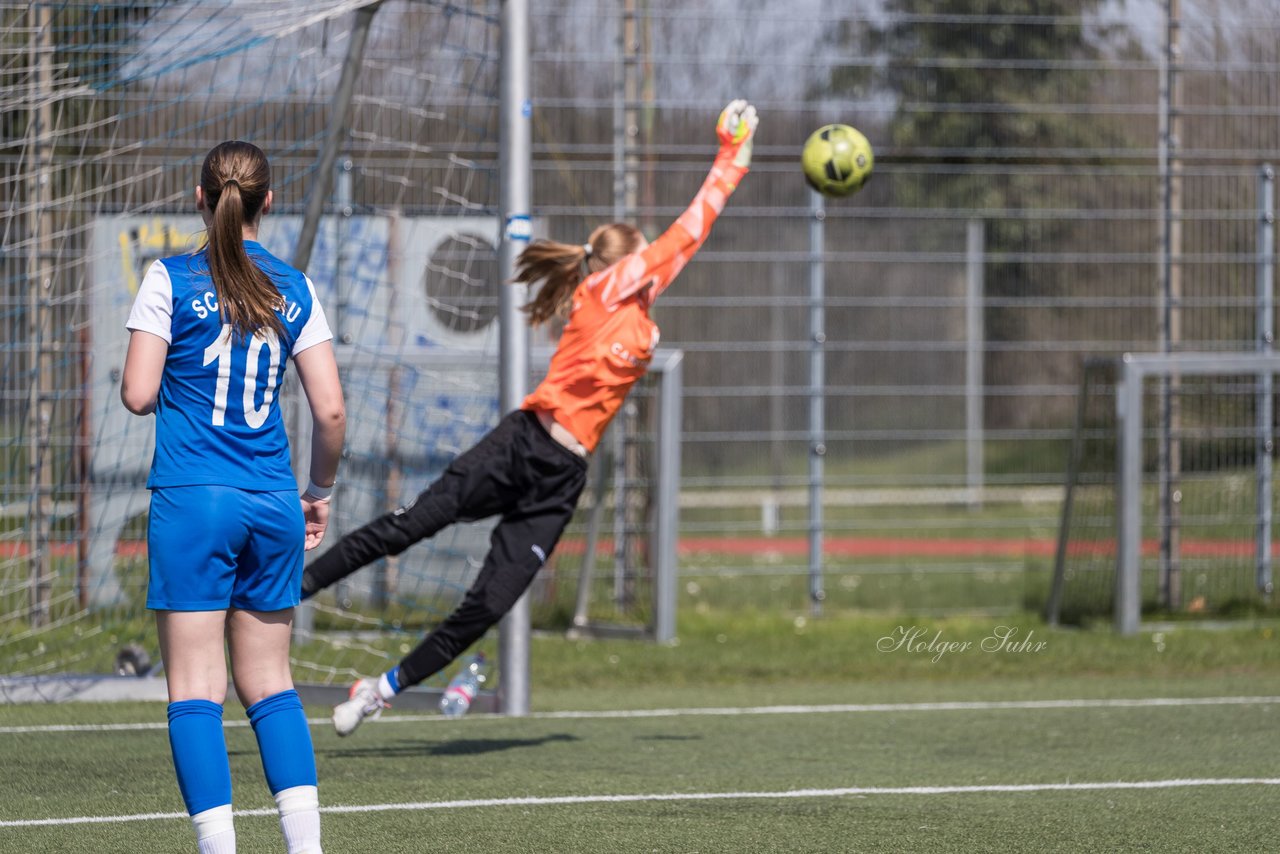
837 160
132 660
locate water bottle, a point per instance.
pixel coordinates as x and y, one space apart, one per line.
463 687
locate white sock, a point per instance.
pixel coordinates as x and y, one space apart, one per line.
215 832
300 818
385 689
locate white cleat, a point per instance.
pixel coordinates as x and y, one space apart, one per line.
364 703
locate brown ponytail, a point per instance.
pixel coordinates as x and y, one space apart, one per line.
235 179
560 267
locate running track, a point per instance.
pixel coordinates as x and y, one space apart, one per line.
852 547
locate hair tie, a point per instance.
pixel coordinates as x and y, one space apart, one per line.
587 250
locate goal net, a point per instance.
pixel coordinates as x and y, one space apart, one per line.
109 109
1170 489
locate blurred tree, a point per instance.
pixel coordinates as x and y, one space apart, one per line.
997 98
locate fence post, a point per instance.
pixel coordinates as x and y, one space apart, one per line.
817 407
973 378
1266 396
667 500
40 325
1128 598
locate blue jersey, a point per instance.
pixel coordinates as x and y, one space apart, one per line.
218 415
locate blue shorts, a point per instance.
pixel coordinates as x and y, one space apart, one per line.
218 547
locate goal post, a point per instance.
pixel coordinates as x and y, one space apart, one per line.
1134 371
1225 490
656 479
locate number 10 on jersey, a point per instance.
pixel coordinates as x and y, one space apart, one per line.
220 352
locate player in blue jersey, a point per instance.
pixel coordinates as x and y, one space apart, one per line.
209 336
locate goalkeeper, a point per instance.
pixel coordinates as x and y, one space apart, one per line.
531 468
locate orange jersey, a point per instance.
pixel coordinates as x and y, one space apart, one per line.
609 338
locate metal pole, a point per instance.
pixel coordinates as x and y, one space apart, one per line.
40 322
1266 396
620 120
626 95
667 521
515 170
335 135
610 455
1129 498
1170 325
769 515
624 426
817 381
1053 608
587 572
341 229
973 376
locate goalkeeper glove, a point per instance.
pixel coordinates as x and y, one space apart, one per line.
736 127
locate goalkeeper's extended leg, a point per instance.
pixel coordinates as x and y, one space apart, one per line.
519 545
475 485
547 478
389 534
518 548
516 553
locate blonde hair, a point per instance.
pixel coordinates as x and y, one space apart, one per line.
235 179
561 267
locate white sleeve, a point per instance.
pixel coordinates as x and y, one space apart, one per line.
316 329
153 307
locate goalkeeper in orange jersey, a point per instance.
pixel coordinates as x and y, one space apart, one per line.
531 468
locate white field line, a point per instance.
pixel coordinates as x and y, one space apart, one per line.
852 791
728 711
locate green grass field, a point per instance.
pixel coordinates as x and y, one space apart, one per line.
756 732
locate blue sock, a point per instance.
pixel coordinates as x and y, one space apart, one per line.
393 679
200 754
284 741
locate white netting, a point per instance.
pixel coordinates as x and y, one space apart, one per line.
108 110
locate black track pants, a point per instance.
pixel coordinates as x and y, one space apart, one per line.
516 471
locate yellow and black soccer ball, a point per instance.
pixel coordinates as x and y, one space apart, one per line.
837 160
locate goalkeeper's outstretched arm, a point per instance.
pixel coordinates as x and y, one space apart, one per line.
661 261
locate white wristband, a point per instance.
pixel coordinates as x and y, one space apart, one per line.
317 493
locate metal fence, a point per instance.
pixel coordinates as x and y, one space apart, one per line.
1073 182
1077 182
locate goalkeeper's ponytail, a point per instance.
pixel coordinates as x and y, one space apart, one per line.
561 267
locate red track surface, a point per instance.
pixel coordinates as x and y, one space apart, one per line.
881 547
911 547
